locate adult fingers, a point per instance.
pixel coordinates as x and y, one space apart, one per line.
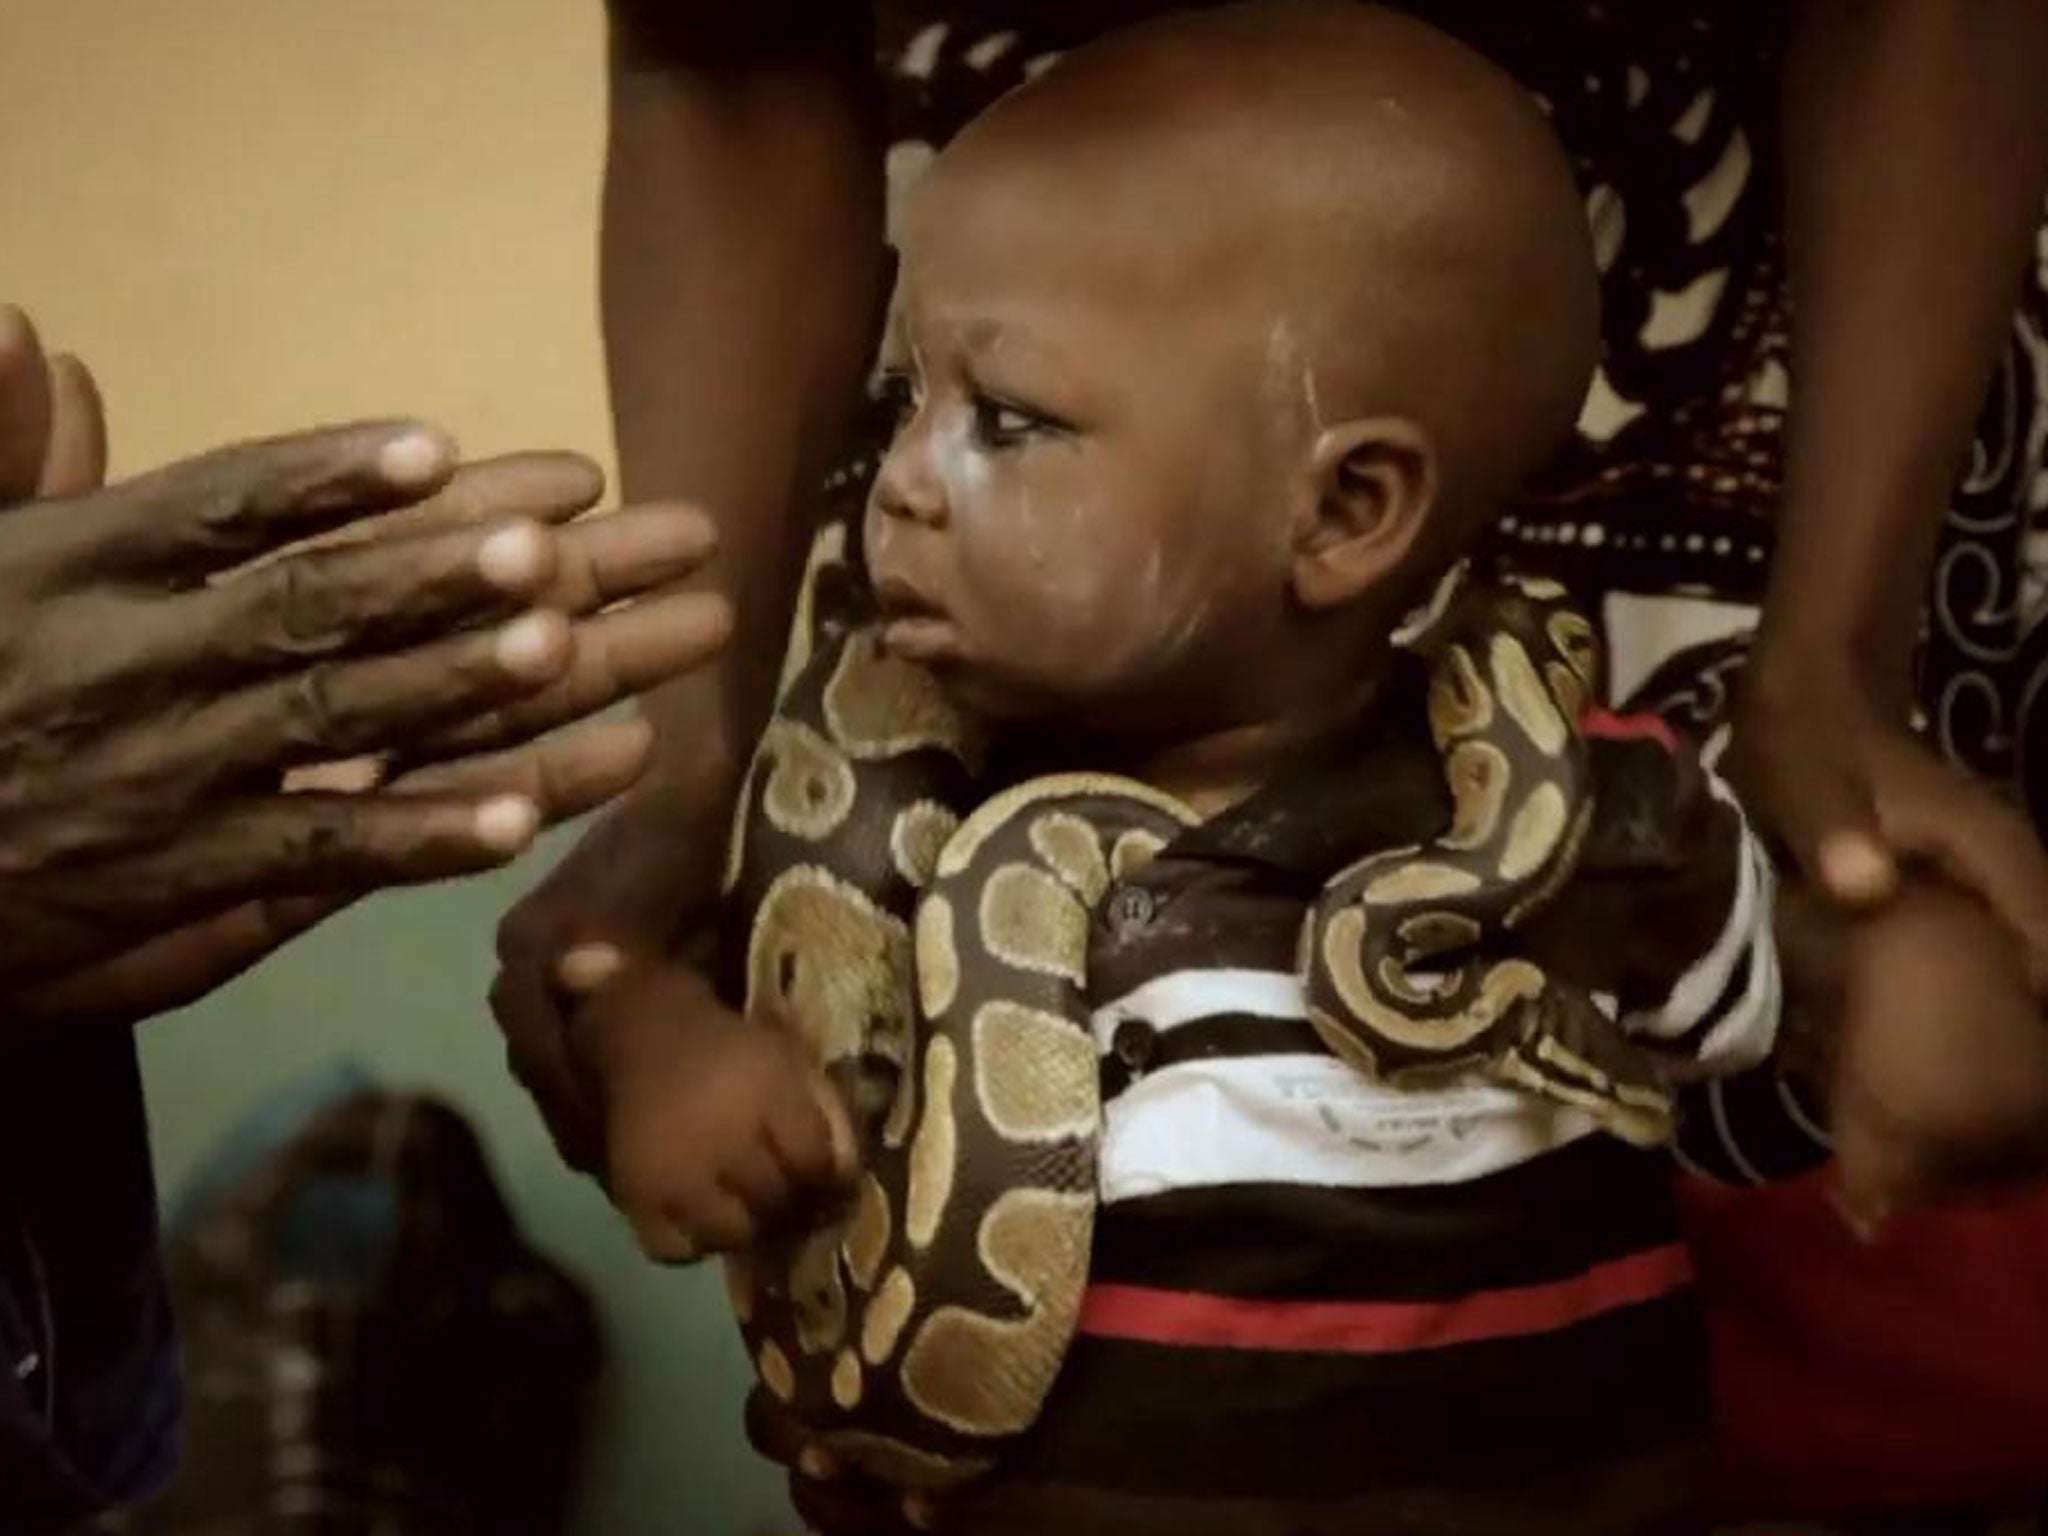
173 969
623 554
349 708
618 654
533 1016
614 891
1820 808
543 487
549 486
530 1018
176 968
364 597
311 844
589 966
75 458
565 776
224 508
24 407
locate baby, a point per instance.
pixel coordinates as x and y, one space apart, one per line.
1212 350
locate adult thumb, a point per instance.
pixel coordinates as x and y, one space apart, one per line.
1826 818
586 967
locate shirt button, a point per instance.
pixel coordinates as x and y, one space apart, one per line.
1133 1043
1131 909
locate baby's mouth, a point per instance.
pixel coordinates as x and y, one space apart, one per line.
914 628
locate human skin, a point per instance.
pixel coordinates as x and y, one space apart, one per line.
187 649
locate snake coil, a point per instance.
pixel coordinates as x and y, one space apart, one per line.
928 939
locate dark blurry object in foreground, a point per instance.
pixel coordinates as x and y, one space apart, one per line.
370 1344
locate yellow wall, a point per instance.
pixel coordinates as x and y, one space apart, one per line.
254 215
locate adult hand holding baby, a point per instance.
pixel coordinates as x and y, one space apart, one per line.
1910 120
1914 938
1852 794
181 641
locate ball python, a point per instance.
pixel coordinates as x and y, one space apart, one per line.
1511 666
926 935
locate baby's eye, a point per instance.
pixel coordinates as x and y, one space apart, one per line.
999 424
896 394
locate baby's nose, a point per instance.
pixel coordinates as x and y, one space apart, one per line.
908 485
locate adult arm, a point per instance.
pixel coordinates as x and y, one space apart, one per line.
742 262
742 284
1916 160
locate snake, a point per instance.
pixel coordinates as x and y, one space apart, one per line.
1407 955
925 933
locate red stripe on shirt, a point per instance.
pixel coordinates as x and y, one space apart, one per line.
1193 1320
1603 724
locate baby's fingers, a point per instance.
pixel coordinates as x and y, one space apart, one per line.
754 1175
1881 1173
673 1197
812 1134
690 1226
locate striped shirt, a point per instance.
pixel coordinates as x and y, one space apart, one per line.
1323 1305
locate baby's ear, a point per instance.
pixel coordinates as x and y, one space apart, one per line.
1366 491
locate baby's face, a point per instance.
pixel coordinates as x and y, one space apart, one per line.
1081 514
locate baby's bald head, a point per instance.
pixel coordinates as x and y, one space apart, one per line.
1221 324
1391 208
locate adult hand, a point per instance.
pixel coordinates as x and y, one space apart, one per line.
1852 794
175 645
53 432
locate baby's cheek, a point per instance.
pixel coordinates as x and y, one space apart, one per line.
1171 609
1079 588
1047 590
1070 634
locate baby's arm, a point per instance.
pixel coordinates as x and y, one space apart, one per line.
1670 910
1935 1055
1672 915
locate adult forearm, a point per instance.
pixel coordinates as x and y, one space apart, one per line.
1916 155
742 256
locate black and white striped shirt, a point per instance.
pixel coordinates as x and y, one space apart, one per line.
1319 1304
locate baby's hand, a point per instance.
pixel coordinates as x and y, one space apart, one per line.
1940 1072
715 1125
